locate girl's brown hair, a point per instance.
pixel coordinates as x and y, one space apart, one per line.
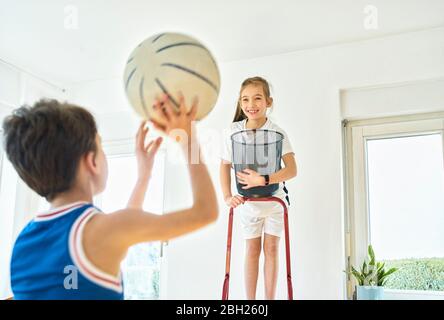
257 81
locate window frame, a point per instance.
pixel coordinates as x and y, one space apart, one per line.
116 148
356 134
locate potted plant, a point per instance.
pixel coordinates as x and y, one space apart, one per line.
371 277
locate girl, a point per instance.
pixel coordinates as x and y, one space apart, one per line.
251 113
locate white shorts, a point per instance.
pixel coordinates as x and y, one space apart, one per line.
258 217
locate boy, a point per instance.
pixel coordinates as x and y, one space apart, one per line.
56 150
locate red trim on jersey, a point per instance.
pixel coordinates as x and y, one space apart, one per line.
51 214
89 272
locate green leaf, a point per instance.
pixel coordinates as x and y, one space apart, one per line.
391 271
371 272
384 275
358 276
371 254
364 268
380 266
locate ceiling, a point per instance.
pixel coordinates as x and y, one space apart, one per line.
41 37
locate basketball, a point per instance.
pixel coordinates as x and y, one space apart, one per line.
170 63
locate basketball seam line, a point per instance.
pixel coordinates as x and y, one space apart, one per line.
181 44
141 96
162 87
129 78
157 38
203 78
191 44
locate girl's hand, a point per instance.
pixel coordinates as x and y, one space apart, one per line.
234 201
145 154
250 178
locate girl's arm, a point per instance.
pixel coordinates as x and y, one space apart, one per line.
225 178
288 172
253 179
225 182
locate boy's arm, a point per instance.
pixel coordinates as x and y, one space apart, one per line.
145 161
132 226
138 195
126 227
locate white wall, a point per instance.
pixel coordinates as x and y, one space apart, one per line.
408 97
306 91
16 88
307 105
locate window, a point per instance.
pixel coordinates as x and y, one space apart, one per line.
396 201
17 202
142 266
8 188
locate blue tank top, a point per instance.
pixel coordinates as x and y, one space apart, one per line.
48 261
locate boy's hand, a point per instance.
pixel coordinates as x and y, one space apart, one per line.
173 119
145 154
234 201
250 179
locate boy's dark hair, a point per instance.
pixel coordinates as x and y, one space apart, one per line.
45 143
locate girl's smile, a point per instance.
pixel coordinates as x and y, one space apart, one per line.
253 102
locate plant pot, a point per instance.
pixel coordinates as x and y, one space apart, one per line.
370 293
